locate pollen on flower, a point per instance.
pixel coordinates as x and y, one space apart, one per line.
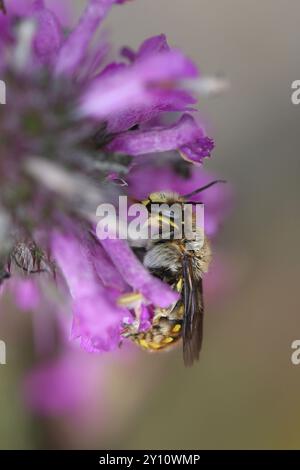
130 300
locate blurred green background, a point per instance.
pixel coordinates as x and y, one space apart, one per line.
244 392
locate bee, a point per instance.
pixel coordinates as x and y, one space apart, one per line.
181 263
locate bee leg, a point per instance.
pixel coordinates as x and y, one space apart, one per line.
130 329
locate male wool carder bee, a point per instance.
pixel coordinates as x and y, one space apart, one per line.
181 263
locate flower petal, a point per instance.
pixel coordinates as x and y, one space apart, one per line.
26 294
196 151
150 46
136 275
104 267
125 96
74 48
62 385
153 45
49 34
180 135
97 319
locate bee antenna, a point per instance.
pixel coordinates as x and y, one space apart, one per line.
203 188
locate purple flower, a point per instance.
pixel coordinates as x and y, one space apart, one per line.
149 47
74 377
185 136
136 275
75 47
138 92
69 130
96 317
26 293
49 36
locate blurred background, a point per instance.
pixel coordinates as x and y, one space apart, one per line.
244 392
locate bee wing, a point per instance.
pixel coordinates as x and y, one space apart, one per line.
193 313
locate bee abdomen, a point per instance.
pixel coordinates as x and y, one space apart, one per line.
161 335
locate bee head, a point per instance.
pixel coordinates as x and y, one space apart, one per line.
162 197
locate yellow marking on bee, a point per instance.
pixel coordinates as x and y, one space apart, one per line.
144 343
157 197
176 328
179 284
162 218
167 220
153 345
145 202
130 298
168 340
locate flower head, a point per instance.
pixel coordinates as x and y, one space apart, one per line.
75 124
